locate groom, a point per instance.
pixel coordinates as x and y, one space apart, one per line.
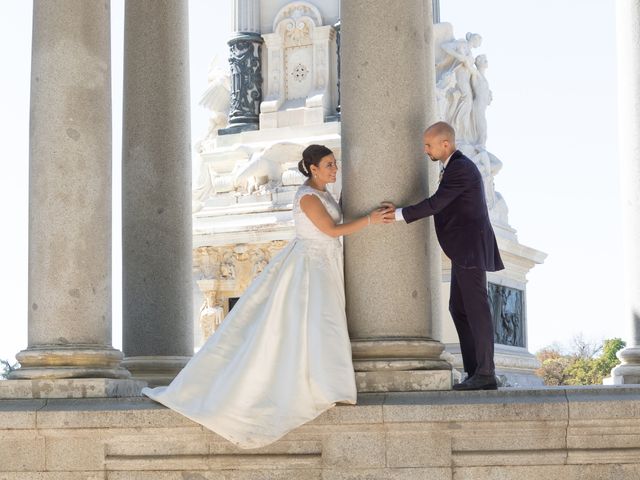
465 234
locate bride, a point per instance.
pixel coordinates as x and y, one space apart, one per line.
282 356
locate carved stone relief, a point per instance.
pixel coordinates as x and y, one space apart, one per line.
211 313
246 79
507 310
225 272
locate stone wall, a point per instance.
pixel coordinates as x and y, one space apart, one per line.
574 433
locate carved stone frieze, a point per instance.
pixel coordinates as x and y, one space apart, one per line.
225 272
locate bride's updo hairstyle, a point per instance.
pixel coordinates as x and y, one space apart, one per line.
312 156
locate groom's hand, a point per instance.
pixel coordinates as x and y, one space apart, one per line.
390 215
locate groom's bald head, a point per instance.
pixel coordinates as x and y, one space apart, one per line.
439 141
442 130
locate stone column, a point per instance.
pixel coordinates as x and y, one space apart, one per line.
392 272
628 28
70 195
156 189
436 11
337 27
246 68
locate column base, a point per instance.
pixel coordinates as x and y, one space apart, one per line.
628 373
400 365
403 381
156 370
72 361
70 388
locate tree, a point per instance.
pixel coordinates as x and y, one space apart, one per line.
580 366
553 366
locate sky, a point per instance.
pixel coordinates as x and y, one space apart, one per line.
552 123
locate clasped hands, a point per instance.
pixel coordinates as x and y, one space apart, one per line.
386 213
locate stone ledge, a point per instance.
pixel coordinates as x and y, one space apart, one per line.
518 404
509 433
70 388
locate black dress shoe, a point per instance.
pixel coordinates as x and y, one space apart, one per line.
477 382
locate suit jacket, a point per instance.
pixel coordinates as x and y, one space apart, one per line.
461 217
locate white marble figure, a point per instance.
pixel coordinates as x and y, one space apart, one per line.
463 95
481 99
267 166
460 63
211 314
446 93
216 99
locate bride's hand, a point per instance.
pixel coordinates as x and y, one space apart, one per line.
378 216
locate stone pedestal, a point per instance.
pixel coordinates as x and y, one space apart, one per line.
392 272
628 29
70 195
300 58
156 188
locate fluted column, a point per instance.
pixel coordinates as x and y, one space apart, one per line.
392 272
628 30
245 64
70 195
156 189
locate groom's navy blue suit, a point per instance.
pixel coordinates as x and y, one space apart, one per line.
465 234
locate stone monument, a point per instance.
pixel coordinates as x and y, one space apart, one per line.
242 201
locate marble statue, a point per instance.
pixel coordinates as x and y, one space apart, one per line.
481 99
216 99
211 314
459 63
446 93
267 166
463 95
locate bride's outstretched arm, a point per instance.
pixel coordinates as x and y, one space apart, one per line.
314 209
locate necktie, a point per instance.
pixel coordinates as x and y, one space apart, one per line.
441 174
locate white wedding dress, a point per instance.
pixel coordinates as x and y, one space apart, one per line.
282 356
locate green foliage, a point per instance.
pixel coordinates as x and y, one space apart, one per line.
581 366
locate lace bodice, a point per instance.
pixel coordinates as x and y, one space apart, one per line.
305 229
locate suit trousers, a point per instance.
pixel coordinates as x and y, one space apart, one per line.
469 307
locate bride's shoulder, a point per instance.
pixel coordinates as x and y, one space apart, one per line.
305 190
